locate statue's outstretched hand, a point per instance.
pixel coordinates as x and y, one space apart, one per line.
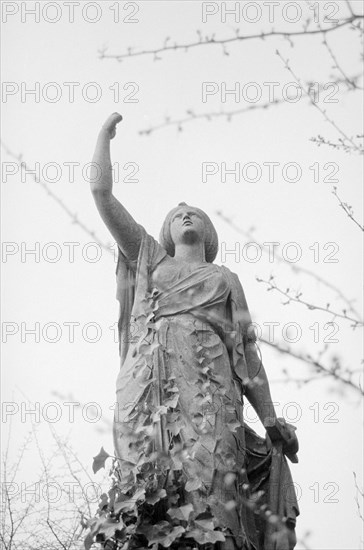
290 445
110 124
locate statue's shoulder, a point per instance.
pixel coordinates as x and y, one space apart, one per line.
228 273
237 292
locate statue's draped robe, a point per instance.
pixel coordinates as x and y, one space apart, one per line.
179 416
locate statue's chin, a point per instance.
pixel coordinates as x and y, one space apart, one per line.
190 236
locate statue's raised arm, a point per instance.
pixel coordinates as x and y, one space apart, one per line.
120 223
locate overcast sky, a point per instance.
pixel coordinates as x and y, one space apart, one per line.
168 167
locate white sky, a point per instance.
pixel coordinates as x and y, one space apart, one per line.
169 172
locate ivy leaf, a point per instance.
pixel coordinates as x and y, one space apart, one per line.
150 317
147 348
206 524
88 542
233 425
172 401
175 423
109 527
193 484
155 497
128 504
125 506
163 460
203 385
99 460
146 429
94 525
182 512
173 416
103 501
84 522
165 538
161 409
198 419
126 467
205 537
158 324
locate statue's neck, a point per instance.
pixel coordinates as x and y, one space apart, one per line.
193 253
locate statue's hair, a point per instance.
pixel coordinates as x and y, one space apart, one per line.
211 238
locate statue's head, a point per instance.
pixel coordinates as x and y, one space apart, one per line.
186 224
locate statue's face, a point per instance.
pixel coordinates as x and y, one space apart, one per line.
187 226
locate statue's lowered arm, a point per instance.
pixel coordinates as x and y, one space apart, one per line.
255 380
258 394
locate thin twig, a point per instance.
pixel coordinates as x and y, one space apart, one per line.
320 140
347 209
208 116
349 7
55 535
359 492
337 65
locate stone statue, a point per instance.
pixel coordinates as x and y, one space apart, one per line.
189 473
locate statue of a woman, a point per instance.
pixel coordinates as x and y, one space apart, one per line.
190 473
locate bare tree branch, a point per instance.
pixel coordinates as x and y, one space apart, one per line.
74 217
296 269
297 299
356 147
209 40
335 371
228 115
28 526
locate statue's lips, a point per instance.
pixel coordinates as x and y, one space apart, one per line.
187 223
